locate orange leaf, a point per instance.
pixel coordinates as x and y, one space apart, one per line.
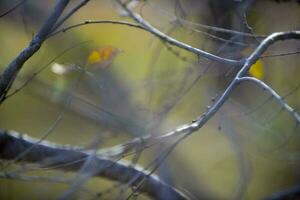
103 55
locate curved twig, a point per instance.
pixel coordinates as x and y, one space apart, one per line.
274 94
89 22
196 124
175 42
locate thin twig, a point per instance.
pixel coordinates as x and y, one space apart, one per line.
274 94
188 24
89 22
219 39
196 124
42 68
70 13
175 42
49 130
281 54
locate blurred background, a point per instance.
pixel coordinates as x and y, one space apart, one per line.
101 85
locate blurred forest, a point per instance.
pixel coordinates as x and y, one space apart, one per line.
101 85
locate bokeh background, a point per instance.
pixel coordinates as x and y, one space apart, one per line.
248 150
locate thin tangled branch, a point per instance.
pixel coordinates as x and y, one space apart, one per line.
201 120
196 124
12 145
136 17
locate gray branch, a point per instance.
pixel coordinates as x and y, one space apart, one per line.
67 158
90 22
8 76
252 59
12 145
275 95
196 124
175 42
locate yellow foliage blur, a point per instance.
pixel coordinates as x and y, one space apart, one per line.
103 55
257 70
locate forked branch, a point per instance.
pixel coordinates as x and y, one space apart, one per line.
252 59
136 17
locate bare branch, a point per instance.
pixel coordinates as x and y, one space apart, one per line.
8 76
197 26
248 63
281 54
88 22
274 94
195 125
175 42
42 68
62 157
48 155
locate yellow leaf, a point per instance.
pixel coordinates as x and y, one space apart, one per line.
93 57
257 70
102 55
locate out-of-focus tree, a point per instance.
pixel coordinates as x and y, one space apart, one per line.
149 99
